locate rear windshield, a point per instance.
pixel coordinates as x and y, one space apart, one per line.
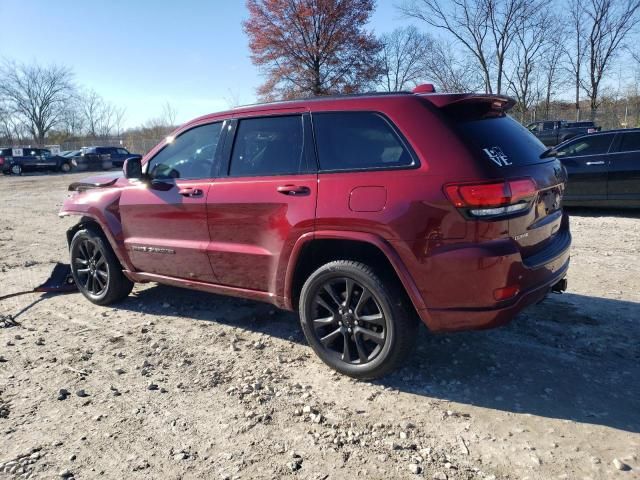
502 140
5 152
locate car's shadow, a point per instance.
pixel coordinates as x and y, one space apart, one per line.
571 357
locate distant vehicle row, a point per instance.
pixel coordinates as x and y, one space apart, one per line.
18 160
553 132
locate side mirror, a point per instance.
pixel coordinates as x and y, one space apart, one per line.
132 168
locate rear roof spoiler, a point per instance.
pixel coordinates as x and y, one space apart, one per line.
496 102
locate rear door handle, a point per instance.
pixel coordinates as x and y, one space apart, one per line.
595 163
190 192
294 190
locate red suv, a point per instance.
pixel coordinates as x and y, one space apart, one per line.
364 213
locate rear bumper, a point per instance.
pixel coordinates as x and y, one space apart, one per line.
475 273
452 319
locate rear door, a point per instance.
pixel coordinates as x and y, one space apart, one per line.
263 200
624 168
586 160
165 221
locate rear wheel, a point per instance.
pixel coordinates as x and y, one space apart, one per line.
16 169
96 269
355 322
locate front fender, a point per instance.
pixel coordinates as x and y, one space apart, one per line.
100 206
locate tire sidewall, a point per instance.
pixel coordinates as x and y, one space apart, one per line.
16 169
79 237
65 167
310 289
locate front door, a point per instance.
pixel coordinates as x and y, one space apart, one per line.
165 219
264 200
586 160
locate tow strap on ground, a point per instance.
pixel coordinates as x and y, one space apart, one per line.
60 281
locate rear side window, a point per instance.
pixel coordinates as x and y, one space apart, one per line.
268 146
501 140
587 145
630 142
358 140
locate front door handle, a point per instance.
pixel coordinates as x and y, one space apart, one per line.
294 190
595 163
190 192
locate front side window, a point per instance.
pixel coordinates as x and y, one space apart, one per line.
588 145
268 146
122 151
548 125
188 156
358 140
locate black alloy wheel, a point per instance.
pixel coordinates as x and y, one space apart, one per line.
358 321
91 268
96 270
348 321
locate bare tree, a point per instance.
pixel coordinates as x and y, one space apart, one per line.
607 25
485 28
232 99
101 117
465 20
403 53
169 114
448 72
92 109
528 50
552 76
37 95
72 122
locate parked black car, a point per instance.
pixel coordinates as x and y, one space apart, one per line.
553 132
18 160
604 168
98 155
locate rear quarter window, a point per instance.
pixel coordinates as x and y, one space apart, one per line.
358 140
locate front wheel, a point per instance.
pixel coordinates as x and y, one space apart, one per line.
96 270
356 323
65 167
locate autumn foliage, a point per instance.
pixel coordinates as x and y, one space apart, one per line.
312 47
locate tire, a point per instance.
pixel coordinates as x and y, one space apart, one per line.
16 169
65 167
376 327
96 270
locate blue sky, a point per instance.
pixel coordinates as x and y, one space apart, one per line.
142 53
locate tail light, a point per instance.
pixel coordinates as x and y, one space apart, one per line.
493 199
1 160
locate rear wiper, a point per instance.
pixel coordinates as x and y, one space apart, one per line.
549 152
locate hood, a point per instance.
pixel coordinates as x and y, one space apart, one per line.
96 181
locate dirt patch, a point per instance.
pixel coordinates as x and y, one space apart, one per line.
174 383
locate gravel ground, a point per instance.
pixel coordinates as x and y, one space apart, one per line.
180 384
